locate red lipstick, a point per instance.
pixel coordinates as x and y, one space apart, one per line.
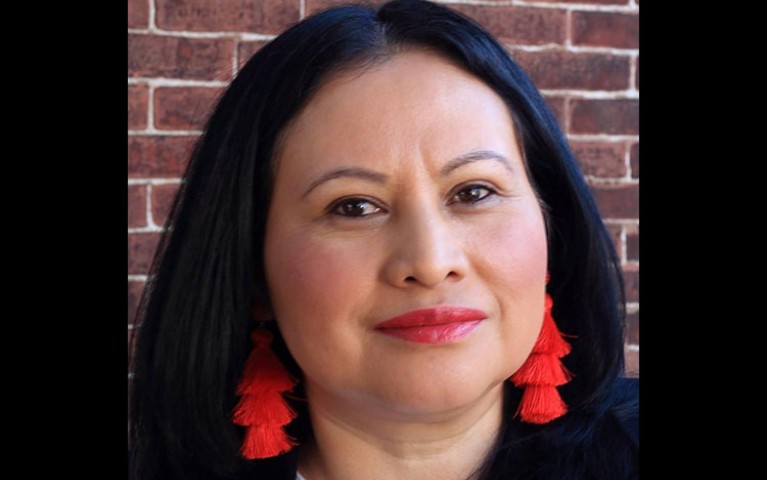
433 325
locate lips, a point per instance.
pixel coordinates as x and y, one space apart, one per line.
436 325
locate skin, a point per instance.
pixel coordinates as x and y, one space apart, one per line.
382 206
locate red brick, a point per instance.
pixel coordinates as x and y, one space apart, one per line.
135 289
138 13
245 50
162 201
262 16
583 71
605 29
138 100
158 156
588 2
519 25
557 107
314 6
632 363
632 244
616 117
136 206
617 201
175 57
183 108
601 159
141 248
632 328
615 234
635 160
636 75
597 2
631 280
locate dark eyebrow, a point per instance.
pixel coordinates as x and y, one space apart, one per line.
472 157
355 172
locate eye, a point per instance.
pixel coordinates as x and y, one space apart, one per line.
471 194
354 208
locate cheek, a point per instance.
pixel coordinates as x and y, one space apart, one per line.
512 250
513 265
315 287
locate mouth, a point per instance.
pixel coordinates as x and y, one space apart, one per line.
438 325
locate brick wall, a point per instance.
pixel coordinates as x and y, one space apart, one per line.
582 54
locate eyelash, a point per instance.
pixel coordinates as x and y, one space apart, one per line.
349 202
474 186
335 207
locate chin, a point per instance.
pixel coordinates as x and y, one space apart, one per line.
438 396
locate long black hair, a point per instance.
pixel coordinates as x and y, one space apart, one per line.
208 270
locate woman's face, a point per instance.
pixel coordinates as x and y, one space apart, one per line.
402 189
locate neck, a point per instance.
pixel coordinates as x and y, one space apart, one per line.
353 441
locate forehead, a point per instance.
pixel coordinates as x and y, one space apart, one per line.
414 103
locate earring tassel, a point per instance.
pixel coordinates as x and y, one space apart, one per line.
542 373
262 409
541 404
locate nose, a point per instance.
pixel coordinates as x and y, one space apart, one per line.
426 251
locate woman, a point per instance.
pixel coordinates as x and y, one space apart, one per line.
380 236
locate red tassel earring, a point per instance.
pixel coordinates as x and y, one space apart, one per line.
262 409
543 372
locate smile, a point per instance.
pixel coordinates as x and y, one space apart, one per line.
436 325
